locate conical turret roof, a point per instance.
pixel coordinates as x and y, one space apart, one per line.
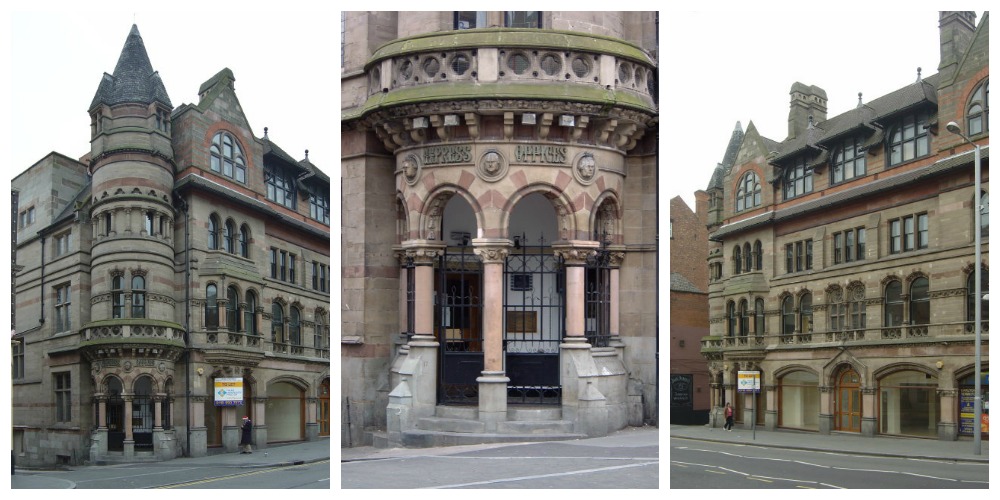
134 79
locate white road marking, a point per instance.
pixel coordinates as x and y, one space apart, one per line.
539 476
136 475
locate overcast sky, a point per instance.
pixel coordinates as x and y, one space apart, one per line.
728 67
283 62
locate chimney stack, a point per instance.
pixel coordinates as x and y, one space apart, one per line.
808 105
957 29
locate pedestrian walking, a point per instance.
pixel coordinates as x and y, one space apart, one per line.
247 431
729 417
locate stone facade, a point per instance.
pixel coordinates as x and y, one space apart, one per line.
842 259
504 141
159 264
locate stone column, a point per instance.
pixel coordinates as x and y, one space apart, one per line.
868 415
158 412
312 427
223 316
947 427
825 409
582 401
129 444
198 446
493 382
614 310
259 423
771 410
415 395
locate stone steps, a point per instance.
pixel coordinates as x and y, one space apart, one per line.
459 425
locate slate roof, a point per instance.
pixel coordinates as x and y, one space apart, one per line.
134 79
678 283
870 119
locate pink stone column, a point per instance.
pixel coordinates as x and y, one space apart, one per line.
425 255
574 254
494 256
616 261
128 418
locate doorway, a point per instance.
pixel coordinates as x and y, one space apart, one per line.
847 401
459 325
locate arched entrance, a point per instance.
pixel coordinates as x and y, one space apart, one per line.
847 401
142 413
798 400
534 304
285 412
458 317
323 419
115 415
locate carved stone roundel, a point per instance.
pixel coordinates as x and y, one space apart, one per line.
585 169
411 169
492 166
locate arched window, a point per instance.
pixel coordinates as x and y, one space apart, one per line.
758 254
213 232
787 316
759 317
320 339
250 314
277 324
744 318
838 316
731 318
294 327
978 114
117 297
857 307
737 260
232 309
747 257
138 297
909 139
970 294
211 307
848 160
748 192
228 236
227 157
244 241
806 313
893 304
920 302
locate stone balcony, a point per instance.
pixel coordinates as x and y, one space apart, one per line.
905 334
137 330
466 84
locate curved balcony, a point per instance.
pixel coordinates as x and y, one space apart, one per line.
133 330
482 72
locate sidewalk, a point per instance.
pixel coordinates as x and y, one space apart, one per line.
839 443
627 437
275 455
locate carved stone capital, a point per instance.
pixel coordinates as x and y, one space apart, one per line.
576 252
491 251
422 252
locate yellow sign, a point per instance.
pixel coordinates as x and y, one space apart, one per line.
228 392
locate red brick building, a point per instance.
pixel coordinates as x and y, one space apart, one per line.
842 259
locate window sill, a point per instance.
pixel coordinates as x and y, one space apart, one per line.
352 340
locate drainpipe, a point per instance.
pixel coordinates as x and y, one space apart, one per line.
41 287
187 321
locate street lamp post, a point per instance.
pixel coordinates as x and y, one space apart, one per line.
977 431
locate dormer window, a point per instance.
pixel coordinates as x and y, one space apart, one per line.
909 139
227 157
748 192
848 160
798 178
280 186
978 114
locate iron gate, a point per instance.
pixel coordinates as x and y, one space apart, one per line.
142 421
459 321
597 298
115 421
534 323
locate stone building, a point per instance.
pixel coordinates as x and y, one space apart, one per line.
499 225
842 258
178 261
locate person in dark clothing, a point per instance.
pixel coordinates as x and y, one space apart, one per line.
247 430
